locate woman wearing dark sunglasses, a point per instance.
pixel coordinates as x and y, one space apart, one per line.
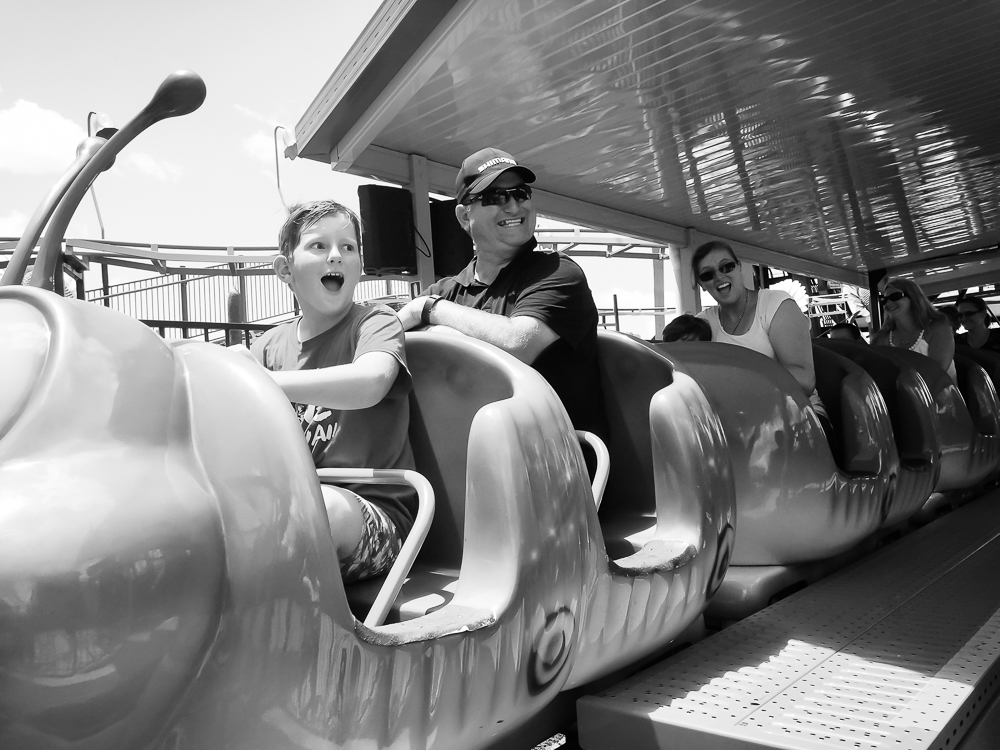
767 321
912 322
974 314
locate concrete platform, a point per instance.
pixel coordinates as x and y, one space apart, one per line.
898 651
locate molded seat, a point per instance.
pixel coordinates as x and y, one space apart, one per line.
794 503
454 378
176 527
968 455
668 511
914 422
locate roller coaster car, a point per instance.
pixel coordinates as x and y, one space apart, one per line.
668 512
799 511
914 423
967 419
666 515
167 575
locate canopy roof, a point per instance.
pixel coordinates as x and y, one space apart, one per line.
828 137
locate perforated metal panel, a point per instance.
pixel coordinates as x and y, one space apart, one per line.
900 651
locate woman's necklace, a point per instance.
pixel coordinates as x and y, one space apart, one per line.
746 300
902 344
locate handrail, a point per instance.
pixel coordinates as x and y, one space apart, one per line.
414 540
600 480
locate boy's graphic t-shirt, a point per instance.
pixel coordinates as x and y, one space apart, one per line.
373 438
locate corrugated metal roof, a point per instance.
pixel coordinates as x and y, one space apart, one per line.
847 134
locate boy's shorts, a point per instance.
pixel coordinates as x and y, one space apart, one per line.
378 549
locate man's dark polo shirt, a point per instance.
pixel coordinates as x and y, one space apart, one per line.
552 288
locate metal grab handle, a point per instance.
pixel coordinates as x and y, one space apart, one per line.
414 540
603 463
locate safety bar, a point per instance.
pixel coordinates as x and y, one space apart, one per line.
600 480
414 540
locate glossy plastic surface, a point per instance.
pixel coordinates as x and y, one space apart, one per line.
167 577
914 424
668 514
968 455
794 503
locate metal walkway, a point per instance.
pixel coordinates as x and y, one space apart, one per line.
899 651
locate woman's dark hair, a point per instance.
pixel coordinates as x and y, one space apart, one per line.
704 249
685 325
977 302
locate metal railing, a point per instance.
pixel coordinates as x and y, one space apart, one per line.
251 294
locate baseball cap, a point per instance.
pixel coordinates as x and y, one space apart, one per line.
479 170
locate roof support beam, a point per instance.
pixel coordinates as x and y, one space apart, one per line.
392 166
459 23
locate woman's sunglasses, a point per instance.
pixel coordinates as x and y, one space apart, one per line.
891 297
709 273
500 196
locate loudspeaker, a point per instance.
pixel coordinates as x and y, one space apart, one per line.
387 215
452 244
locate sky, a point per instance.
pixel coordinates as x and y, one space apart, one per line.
207 178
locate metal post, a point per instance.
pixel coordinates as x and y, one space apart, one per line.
874 311
184 298
614 301
105 287
688 294
659 298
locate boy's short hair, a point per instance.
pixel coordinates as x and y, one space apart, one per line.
303 215
686 325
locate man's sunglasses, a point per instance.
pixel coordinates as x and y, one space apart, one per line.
891 297
500 196
969 313
709 273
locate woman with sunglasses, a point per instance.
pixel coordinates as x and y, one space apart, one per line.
912 322
974 314
767 321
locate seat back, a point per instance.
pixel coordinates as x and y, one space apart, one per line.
451 383
978 387
841 385
631 374
906 397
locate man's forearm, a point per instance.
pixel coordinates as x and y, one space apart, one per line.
522 337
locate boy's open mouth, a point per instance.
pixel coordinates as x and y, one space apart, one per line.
511 222
333 281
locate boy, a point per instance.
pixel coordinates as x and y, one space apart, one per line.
343 367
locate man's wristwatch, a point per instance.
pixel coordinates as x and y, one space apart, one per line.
425 311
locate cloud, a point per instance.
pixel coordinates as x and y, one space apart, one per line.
37 141
13 224
260 147
164 171
254 115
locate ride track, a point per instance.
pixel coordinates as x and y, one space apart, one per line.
168 580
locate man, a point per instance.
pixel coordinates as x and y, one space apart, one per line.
533 304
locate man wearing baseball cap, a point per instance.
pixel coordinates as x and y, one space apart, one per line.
533 304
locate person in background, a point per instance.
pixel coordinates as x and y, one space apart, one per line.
974 314
767 321
912 322
845 332
687 327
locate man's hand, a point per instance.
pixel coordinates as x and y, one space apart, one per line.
409 314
